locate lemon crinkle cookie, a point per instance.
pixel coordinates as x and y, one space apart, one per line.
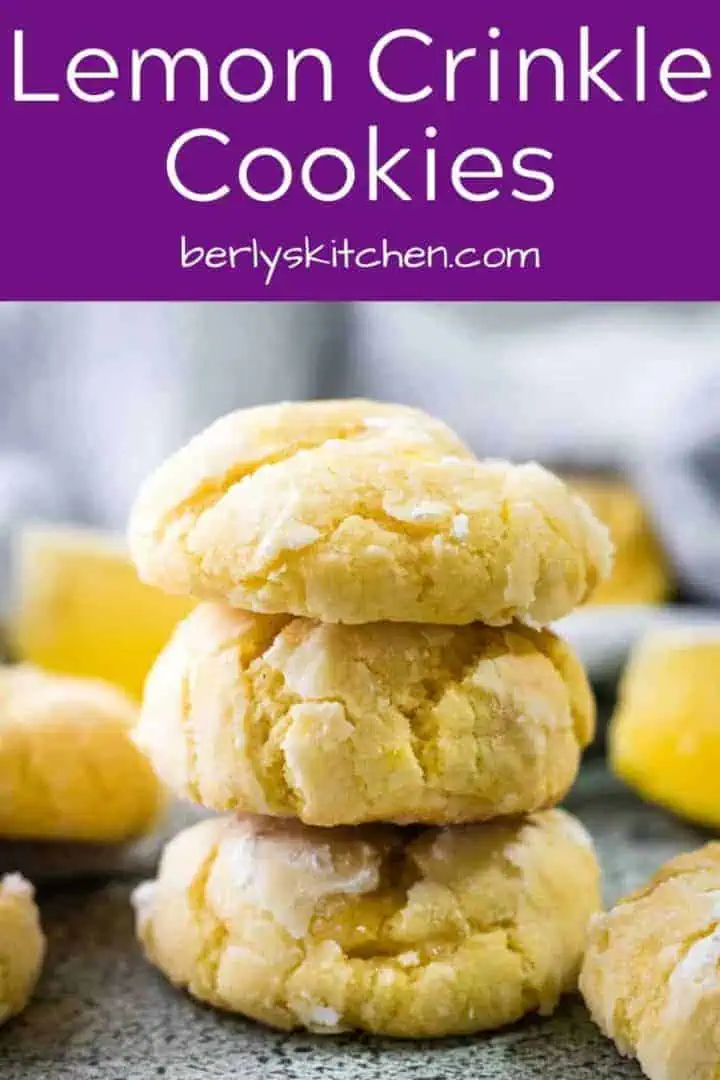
69 769
651 977
355 512
347 724
401 932
22 945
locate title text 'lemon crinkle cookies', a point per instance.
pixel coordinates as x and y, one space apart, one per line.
651 976
69 769
347 724
22 945
410 933
356 512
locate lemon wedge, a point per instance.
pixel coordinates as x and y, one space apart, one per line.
665 734
80 608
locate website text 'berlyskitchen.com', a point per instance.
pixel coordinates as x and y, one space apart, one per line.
343 255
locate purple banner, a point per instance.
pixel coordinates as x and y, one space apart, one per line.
411 150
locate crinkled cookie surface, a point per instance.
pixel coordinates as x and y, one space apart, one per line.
395 931
651 977
347 724
355 512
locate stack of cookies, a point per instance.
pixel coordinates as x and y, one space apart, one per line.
368 694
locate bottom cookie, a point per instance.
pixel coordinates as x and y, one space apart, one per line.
403 932
22 945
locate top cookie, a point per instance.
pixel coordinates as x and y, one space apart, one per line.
354 512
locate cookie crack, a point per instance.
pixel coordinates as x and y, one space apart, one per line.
212 489
550 645
622 1026
214 931
655 883
191 747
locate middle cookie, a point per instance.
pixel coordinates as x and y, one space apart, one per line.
339 725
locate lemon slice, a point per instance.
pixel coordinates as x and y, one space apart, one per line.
665 734
80 608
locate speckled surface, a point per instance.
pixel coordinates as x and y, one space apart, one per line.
101 1013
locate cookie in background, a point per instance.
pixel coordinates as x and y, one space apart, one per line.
22 944
651 974
69 769
641 573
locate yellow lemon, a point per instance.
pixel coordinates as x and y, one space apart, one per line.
81 610
665 735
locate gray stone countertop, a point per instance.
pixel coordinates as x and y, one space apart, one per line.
101 1013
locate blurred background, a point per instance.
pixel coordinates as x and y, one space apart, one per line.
93 396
